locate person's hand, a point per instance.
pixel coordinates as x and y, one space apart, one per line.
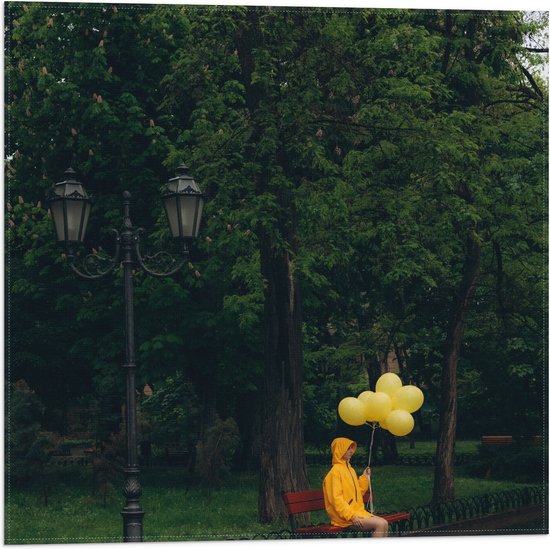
357 521
366 472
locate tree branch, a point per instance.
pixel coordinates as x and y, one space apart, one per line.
355 125
529 77
500 101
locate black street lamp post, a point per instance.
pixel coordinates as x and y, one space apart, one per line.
70 207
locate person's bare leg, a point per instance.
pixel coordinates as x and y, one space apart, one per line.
378 525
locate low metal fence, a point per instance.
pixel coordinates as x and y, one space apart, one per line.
474 507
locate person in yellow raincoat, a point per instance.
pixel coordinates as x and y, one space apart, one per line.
343 492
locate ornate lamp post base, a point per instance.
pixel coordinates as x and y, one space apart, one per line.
132 525
132 515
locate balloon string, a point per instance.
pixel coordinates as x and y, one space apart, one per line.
371 505
371 441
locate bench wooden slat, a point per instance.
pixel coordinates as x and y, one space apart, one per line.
496 439
304 502
330 529
308 500
306 495
394 517
305 506
319 529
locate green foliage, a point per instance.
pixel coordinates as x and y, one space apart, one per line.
519 462
108 464
172 413
215 452
27 445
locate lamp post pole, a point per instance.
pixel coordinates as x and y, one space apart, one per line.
132 515
70 207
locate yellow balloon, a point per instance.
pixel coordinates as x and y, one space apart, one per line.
352 411
364 398
384 423
388 383
408 398
365 395
378 407
400 423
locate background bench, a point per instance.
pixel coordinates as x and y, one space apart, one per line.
177 456
313 500
494 440
505 440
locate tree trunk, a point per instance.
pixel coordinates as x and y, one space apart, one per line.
444 489
501 309
282 455
389 447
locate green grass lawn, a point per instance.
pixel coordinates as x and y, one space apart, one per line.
174 513
171 511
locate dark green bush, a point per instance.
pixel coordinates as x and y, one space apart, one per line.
215 452
170 416
518 462
78 442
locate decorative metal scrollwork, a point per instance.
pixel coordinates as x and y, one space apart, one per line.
95 265
472 507
160 264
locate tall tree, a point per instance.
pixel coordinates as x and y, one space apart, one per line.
485 77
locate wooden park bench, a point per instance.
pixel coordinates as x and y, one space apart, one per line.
70 460
62 451
177 456
505 440
494 440
313 500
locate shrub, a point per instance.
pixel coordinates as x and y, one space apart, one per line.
29 446
170 414
215 451
516 462
108 464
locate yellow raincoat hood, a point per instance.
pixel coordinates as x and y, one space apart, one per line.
339 447
342 489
